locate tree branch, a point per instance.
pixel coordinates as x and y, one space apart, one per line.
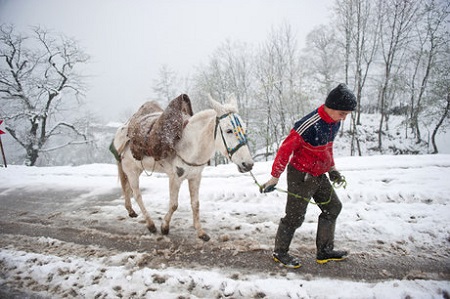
64 145
67 125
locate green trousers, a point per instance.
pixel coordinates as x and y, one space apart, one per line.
308 186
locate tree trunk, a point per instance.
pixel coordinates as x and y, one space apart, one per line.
438 125
32 156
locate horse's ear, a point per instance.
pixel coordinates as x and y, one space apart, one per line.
214 104
233 101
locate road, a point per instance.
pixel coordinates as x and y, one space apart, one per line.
29 216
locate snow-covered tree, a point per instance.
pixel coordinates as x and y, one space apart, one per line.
40 88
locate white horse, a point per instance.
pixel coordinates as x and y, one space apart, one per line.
218 129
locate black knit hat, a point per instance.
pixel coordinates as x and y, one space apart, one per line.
341 98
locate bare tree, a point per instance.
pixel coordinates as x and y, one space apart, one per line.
228 73
167 85
444 116
432 38
397 19
278 89
346 18
439 95
237 62
360 25
39 79
323 58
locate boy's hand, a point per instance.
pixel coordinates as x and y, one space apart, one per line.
335 176
269 186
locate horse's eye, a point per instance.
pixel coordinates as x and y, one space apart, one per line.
229 131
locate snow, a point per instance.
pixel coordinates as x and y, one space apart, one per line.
399 201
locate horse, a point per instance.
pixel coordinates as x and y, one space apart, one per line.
219 129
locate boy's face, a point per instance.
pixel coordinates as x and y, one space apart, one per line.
338 115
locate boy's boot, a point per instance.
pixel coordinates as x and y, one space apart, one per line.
325 256
282 242
325 242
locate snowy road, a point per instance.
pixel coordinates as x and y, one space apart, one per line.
394 221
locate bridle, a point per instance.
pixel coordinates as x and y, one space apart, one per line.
238 130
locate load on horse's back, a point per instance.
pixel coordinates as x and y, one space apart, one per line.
179 143
146 125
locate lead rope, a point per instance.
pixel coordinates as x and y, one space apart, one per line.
335 185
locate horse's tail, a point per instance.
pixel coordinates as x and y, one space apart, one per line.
126 189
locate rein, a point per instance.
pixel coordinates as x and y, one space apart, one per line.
335 185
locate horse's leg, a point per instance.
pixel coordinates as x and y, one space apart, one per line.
133 180
194 186
126 190
174 190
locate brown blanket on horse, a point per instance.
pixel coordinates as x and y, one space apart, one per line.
155 132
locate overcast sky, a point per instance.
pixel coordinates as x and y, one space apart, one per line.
129 40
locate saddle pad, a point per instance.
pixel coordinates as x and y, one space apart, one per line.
155 132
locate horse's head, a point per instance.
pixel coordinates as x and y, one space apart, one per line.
230 136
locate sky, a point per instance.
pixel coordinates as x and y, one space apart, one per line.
395 208
129 41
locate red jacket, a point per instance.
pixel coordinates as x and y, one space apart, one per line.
309 145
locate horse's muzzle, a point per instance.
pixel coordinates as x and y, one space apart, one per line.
245 167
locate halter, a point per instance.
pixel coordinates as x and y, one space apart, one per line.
239 132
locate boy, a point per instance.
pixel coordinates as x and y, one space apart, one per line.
308 154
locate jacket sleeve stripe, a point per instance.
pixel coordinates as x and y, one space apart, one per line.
308 123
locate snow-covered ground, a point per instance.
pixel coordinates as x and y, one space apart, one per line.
391 204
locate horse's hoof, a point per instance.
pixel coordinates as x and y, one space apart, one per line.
132 214
164 231
152 229
204 237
